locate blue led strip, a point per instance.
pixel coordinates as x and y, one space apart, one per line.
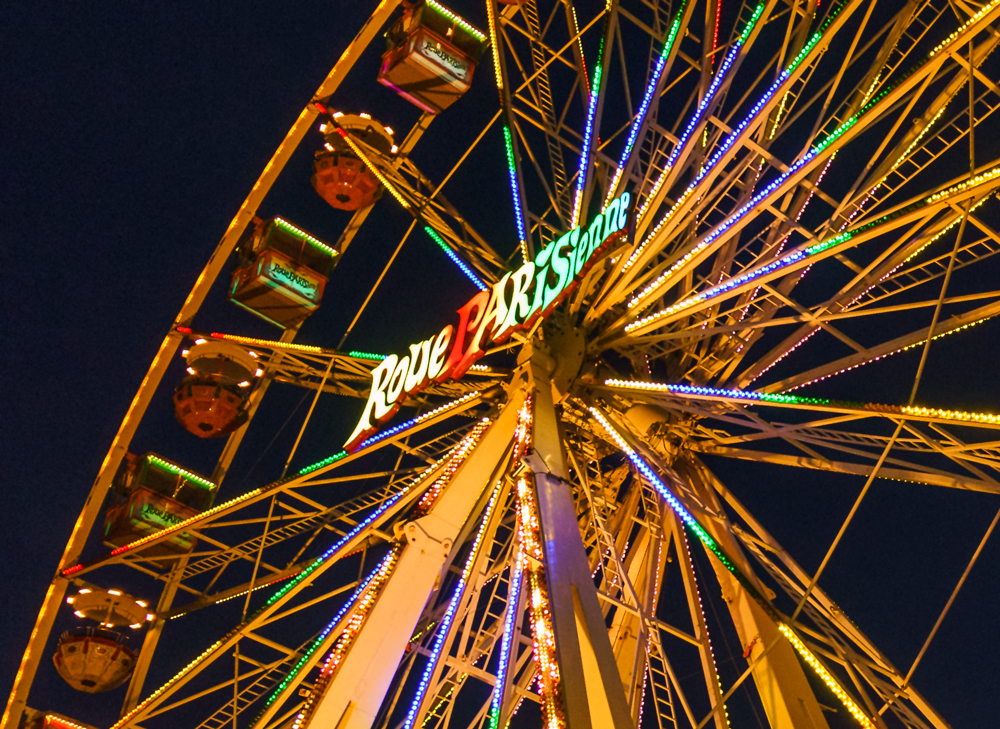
522 232
588 134
322 636
372 440
685 516
695 528
449 616
737 132
454 257
364 524
769 397
647 99
509 624
749 395
783 262
714 87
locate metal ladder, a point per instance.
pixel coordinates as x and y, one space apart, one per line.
549 119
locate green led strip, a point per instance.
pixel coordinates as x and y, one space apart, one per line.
166 465
288 227
325 462
480 36
691 523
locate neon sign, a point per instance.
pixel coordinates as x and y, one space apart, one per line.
514 303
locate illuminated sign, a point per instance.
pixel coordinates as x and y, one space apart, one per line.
298 281
432 49
515 302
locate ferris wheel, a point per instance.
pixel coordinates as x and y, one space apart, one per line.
547 509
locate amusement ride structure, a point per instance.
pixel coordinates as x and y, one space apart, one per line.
714 205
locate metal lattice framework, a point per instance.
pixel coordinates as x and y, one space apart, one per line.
808 198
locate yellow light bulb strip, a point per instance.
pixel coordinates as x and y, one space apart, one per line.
60 723
494 45
187 522
298 232
177 470
689 520
974 19
254 342
965 185
826 677
461 23
375 170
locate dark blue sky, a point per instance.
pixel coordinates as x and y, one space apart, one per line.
131 136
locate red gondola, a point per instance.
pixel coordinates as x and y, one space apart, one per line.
339 175
212 401
93 660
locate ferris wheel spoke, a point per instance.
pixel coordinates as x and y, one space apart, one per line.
919 149
541 107
911 475
894 346
304 477
890 274
419 196
829 615
342 547
812 404
805 255
511 142
714 93
264 680
844 132
595 109
633 580
814 433
958 458
855 445
309 523
661 70
653 241
733 572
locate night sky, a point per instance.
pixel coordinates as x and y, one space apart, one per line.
130 138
